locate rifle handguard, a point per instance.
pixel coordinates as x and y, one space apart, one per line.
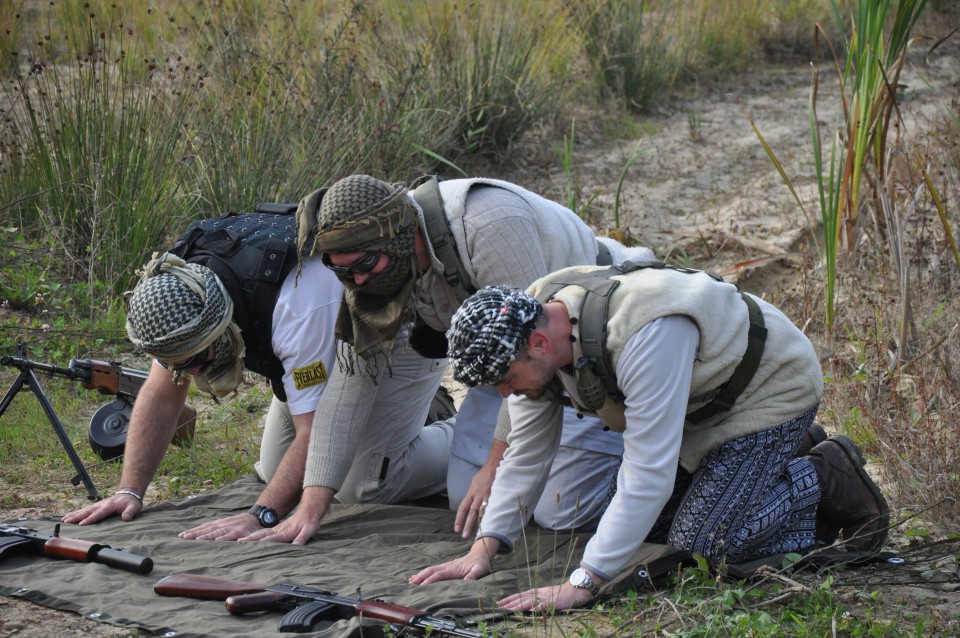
259 601
86 551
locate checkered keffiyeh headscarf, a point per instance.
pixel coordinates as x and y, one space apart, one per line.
489 331
177 309
357 213
361 213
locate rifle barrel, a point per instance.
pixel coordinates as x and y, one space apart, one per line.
27 364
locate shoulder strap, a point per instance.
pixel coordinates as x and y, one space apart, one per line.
727 393
438 231
594 313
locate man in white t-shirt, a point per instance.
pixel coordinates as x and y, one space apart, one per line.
206 320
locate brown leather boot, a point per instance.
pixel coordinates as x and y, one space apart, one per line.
814 436
849 499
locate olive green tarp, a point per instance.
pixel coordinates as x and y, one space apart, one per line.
371 547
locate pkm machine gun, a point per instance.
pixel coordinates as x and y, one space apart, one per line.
107 431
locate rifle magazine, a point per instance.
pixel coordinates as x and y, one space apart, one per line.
14 545
305 616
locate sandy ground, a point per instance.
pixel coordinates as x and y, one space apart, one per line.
702 187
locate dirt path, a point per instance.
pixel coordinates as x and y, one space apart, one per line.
703 186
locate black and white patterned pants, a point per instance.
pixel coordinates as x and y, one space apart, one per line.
748 498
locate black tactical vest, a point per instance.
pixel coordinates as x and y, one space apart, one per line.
251 253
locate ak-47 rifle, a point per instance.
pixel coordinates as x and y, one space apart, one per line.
17 540
107 432
304 606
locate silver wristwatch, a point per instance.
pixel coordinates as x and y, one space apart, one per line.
580 578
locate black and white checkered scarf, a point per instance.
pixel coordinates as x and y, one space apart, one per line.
489 331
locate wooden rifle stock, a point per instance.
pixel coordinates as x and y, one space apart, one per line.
108 377
204 587
16 539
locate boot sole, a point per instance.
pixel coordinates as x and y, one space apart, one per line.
853 452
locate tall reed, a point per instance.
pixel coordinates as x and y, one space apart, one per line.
874 61
94 148
496 68
868 80
868 77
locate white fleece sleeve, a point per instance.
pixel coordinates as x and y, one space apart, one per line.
654 373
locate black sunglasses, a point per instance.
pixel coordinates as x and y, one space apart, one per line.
198 360
361 266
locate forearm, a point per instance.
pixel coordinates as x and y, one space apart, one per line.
282 493
152 425
315 502
486 547
337 427
497 449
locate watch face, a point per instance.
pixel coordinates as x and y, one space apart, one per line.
581 580
269 518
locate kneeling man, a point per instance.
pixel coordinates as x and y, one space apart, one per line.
714 391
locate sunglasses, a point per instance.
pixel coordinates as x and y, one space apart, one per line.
198 360
360 267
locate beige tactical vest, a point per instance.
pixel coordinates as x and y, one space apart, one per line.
787 382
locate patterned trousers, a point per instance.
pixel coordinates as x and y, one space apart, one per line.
748 498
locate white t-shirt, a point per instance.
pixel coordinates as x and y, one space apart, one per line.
303 337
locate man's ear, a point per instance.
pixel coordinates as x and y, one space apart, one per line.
539 342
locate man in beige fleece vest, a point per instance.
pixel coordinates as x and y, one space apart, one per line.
398 300
731 487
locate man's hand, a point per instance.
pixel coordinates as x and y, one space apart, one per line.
472 506
124 505
558 597
304 523
230 528
473 565
298 529
152 424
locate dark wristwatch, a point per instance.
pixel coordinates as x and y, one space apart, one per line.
267 516
580 579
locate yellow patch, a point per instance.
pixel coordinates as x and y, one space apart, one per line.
310 375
